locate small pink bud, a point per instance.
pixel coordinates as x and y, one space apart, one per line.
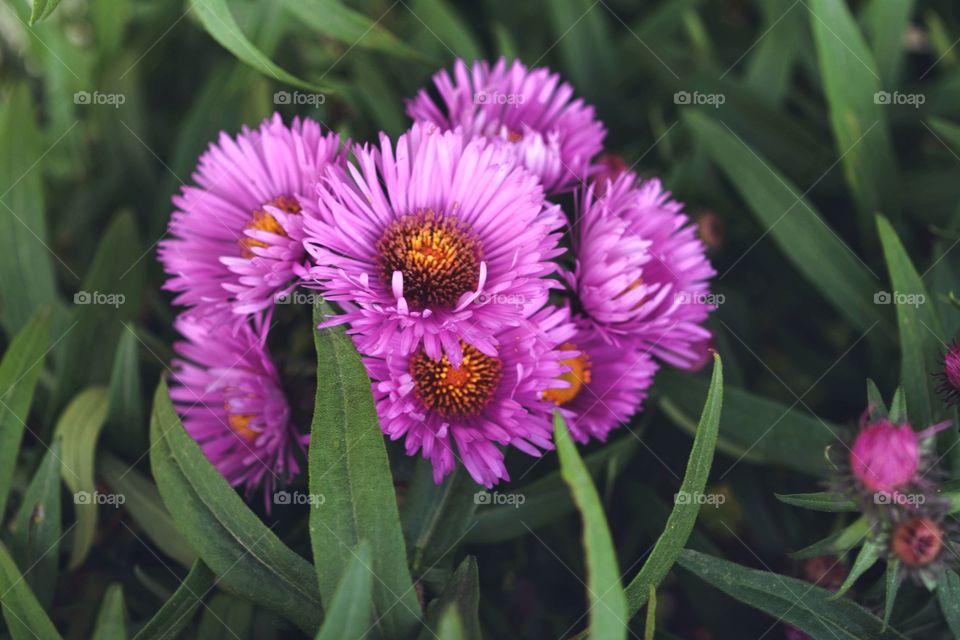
950 376
885 457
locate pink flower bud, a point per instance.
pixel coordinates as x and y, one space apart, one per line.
885 457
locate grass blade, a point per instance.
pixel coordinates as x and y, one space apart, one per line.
350 608
110 620
24 616
176 613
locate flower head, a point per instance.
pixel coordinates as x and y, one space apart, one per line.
885 457
435 243
641 274
228 394
607 384
467 412
950 375
917 542
529 110
237 235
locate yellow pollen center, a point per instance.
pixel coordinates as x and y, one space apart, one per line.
240 425
437 255
456 392
578 376
260 220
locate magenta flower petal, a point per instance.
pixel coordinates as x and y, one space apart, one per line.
529 110
228 394
237 236
885 457
641 274
436 241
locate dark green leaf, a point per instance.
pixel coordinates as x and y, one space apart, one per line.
857 111
225 618
870 552
838 542
176 613
650 626
892 583
608 616
808 607
26 260
875 398
948 132
887 23
948 593
818 501
444 31
125 424
462 595
685 511
25 617
244 553
350 609
78 430
110 621
803 235
19 371
435 517
36 541
348 466
220 24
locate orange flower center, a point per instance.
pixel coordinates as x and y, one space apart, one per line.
578 376
240 425
260 220
456 392
438 257
917 542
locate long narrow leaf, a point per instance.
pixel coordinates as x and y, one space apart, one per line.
351 605
24 616
177 612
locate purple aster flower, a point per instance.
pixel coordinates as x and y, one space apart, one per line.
237 236
437 242
467 412
530 110
641 273
949 387
228 394
608 384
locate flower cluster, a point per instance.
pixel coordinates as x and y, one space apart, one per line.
478 303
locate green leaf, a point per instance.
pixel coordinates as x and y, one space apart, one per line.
684 515
851 83
921 337
230 539
838 542
444 31
220 24
110 621
350 609
887 24
78 430
875 398
545 500
24 616
109 298
435 517
898 406
870 552
176 613
805 238
948 132
333 19
650 626
144 504
36 541
578 26
225 618
608 603
42 9
948 594
461 596
892 583
26 260
820 501
348 466
19 371
808 607
762 430
125 418
451 627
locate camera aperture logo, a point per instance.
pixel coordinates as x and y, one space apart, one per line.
299 98
299 498
497 498
114 300
697 98
112 499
